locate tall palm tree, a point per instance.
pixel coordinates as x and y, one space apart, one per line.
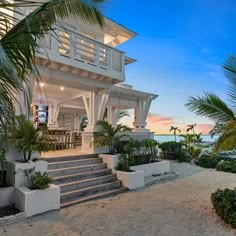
108 135
174 129
214 108
19 42
191 127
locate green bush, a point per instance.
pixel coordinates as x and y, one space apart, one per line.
171 150
208 161
123 164
224 202
227 166
139 151
40 181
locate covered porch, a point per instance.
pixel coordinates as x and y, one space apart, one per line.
63 107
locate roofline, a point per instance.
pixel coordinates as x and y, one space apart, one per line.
135 33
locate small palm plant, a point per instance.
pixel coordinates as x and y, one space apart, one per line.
27 139
175 129
191 127
109 135
198 138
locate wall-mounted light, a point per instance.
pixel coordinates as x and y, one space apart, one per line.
62 88
41 85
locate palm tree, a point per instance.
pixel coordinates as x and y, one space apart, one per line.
19 43
174 129
198 138
211 106
191 127
108 135
188 139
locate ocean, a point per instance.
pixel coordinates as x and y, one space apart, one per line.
166 138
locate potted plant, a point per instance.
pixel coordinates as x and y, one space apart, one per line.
110 136
129 178
39 195
27 139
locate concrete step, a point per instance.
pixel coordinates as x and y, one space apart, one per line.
73 195
76 169
95 196
80 176
70 158
71 186
65 164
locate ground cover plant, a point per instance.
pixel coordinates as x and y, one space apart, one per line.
208 161
227 166
224 202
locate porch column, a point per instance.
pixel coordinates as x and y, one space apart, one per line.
140 115
95 104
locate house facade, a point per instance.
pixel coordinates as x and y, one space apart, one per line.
83 74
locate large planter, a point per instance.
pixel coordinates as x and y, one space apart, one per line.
14 155
34 202
15 175
159 167
6 196
111 160
131 180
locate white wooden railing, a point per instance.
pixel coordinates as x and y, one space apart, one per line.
66 44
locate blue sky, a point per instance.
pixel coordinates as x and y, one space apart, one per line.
180 47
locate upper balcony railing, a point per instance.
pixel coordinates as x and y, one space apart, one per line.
69 47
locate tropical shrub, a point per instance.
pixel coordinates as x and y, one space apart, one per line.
208 161
27 139
227 166
40 180
140 151
109 136
171 149
224 202
123 164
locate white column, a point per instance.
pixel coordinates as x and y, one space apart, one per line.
141 112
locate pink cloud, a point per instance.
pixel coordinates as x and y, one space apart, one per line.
157 118
204 128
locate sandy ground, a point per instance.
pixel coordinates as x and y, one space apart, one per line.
180 207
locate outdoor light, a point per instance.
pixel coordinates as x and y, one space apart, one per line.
61 88
41 85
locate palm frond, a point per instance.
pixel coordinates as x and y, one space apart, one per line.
230 73
211 106
19 42
227 140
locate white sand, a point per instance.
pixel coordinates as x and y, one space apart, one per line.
180 207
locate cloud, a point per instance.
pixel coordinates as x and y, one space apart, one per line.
204 128
160 119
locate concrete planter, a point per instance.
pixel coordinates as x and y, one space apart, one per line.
111 160
131 180
34 202
6 196
14 155
153 168
15 175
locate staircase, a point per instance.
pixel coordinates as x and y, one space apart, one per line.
82 178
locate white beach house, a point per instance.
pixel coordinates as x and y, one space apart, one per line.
82 74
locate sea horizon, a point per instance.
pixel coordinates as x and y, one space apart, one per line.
171 137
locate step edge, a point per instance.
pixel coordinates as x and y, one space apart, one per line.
85 180
81 173
93 196
75 167
89 188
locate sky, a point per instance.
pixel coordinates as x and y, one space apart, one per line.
180 47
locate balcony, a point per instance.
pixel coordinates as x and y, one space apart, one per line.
70 51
